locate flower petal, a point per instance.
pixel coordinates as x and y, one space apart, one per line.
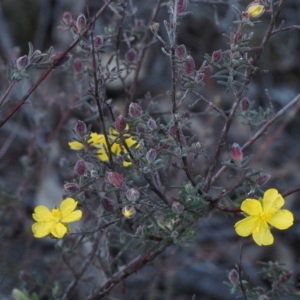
102 155
72 217
282 219
76 145
67 206
58 230
252 207
130 142
127 163
272 201
116 148
246 226
42 214
41 230
262 235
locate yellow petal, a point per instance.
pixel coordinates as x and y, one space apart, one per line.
102 155
272 201
41 230
245 227
72 217
42 214
252 207
255 10
282 219
76 145
58 230
97 140
116 148
127 163
67 206
262 235
132 142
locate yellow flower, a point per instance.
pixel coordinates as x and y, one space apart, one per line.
128 211
261 215
55 222
75 145
255 10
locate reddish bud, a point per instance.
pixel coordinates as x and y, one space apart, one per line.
236 152
151 155
181 6
80 129
98 42
115 179
22 62
81 22
177 207
217 56
262 179
80 168
135 110
138 24
139 231
233 276
245 104
77 65
120 123
67 19
151 124
286 276
133 194
24 276
71 188
108 204
130 55
180 51
186 115
173 130
199 77
189 65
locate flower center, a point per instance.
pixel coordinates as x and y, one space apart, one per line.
265 216
56 214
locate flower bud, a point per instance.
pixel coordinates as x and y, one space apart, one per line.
80 129
22 62
80 168
120 123
151 124
181 6
199 77
189 65
236 152
217 56
98 42
285 277
245 104
129 211
180 51
177 207
254 10
108 204
138 24
133 194
94 174
130 55
81 22
135 110
115 179
24 276
77 65
173 130
174 234
67 19
262 179
233 276
139 231
151 155
71 188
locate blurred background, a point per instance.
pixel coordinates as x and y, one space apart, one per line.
34 154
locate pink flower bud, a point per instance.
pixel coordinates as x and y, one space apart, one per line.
130 55
138 24
151 124
233 276
115 179
80 168
180 51
67 19
71 188
139 231
80 129
135 110
133 194
151 155
181 6
81 22
199 77
120 123
77 65
189 65
24 276
236 152
22 62
245 104
177 207
262 179
108 204
98 42
173 130
217 56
